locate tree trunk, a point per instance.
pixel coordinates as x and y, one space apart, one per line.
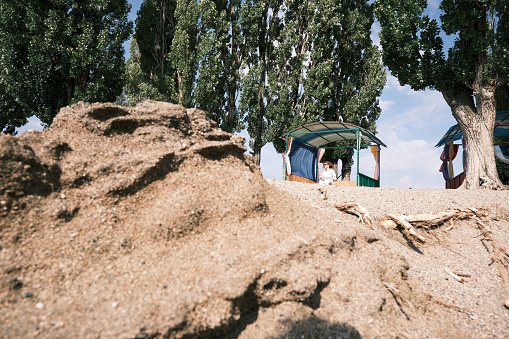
180 90
346 168
284 166
476 121
230 119
231 83
262 50
335 167
257 142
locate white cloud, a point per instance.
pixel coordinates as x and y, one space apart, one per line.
413 155
416 112
386 105
33 124
393 83
411 124
405 181
433 8
271 163
404 163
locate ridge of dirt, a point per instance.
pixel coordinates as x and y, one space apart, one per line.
150 222
475 305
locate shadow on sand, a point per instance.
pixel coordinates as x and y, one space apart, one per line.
316 328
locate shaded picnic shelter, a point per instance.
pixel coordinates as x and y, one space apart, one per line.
306 145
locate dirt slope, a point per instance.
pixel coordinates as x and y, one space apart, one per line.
149 222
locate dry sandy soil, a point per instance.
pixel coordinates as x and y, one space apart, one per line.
149 222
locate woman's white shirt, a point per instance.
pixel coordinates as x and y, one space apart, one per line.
328 177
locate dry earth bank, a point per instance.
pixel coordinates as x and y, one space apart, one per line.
149 222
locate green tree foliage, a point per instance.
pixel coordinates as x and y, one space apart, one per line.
502 98
262 27
167 33
136 87
266 65
183 50
502 168
221 54
57 52
154 32
475 67
319 64
346 77
502 101
503 172
191 52
287 70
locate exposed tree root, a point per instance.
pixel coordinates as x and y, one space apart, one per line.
392 221
362 212
428 220
401 220
388 224
456 276
461 309
500 256
439 218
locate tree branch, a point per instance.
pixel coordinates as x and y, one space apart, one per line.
502 81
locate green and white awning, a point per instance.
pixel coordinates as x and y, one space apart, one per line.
322 133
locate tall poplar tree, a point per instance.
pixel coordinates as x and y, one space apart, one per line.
266 65
137 87
56 52
286 97
221 53
262 27
346 75
184 49
475 67
154 33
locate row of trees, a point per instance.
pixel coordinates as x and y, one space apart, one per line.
56 52
264 65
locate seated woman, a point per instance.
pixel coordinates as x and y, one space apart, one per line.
328 175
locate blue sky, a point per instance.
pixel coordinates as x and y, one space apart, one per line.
410 125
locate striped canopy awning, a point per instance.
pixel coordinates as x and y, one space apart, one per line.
501 129
322 133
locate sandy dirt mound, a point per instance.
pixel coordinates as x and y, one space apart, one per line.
150 222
